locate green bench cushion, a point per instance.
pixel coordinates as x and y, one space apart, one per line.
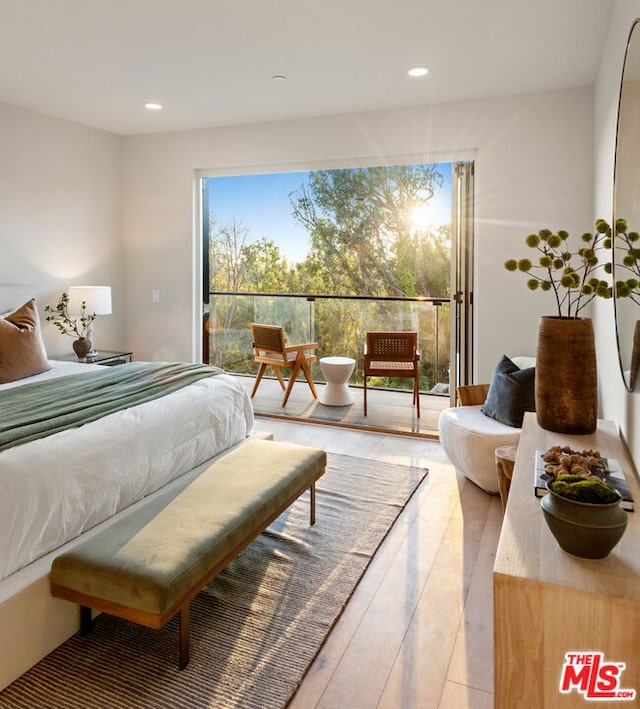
151 558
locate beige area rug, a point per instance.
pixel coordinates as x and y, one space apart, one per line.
256 628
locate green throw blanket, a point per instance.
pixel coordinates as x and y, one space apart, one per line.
40 409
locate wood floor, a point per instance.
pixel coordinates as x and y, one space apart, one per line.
418 630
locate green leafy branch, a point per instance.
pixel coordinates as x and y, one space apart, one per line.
60 317
573 285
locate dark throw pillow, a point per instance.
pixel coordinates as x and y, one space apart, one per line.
511 393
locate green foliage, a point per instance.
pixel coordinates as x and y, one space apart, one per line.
362 242
577 487
630 261
566 273
362 237
67 325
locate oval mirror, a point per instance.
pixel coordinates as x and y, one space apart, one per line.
626 215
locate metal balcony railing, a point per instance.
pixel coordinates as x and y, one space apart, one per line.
337 323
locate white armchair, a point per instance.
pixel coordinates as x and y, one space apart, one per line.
470 438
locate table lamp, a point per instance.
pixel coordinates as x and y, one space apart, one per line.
96 299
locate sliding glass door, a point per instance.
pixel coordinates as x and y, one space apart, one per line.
462 242
369 234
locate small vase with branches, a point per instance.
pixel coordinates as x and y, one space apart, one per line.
78 327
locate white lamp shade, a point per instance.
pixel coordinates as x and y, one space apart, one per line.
97 299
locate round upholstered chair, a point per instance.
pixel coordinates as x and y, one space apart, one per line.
469 437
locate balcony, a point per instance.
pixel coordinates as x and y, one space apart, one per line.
338 324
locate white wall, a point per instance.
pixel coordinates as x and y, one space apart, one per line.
534 169
60 214
616 403
62 186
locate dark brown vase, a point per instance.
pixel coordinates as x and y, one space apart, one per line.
566 384
82 347
582 528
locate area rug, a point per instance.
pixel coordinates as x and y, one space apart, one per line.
256 628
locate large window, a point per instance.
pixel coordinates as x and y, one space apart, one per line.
379 233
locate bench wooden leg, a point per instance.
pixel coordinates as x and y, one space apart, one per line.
85 620
184 635
312 515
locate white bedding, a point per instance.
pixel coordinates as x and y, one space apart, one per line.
55 488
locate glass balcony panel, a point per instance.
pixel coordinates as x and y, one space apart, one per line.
338 325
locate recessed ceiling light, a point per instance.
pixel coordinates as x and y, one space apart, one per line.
418 71
278 77
151 106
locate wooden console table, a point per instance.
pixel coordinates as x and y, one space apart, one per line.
547 602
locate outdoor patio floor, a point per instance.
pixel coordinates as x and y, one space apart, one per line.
388 411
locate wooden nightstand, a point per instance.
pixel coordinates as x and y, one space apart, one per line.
108 358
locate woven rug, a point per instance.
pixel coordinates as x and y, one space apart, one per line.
255 629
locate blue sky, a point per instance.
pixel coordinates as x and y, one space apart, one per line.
261 202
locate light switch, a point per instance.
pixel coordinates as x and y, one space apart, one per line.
155 296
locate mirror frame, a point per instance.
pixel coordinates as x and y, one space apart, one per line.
630 364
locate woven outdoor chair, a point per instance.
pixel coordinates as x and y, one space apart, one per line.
271 350
392 354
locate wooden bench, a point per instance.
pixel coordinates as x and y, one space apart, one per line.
148 565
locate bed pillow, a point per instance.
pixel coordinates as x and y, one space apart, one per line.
511 393
22 352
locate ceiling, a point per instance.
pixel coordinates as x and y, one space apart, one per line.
210 63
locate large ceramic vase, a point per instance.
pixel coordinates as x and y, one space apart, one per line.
582 528
566 383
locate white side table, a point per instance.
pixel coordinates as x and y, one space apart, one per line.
336 371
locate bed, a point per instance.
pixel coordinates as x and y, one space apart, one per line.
73 482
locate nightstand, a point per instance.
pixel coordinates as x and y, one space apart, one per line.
108 358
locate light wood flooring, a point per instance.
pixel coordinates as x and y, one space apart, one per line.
418 630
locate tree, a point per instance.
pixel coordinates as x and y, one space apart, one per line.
364 240
427 255
267 269
227 263
238 265
362 234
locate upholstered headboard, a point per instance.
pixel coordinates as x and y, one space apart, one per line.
13 296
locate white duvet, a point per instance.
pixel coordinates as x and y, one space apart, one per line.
53 489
